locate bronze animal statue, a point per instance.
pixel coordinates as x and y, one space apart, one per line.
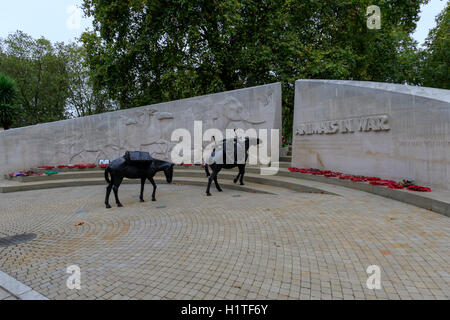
221 159
122 168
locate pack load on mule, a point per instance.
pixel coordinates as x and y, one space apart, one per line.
135 165
228 154
229 151
138 158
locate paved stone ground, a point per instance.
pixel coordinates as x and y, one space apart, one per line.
5 295
233 245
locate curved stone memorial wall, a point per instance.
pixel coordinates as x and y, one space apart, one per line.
149 128
373 129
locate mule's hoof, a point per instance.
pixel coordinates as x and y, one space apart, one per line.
108 206
119 205
208 194
154 199
242 184
142 200
234 181
220 190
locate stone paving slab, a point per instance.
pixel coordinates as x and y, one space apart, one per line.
5 295
12 289
233 245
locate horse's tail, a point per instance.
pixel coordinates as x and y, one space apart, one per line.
106 175
207 170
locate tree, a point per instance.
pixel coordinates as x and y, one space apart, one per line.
82 99
7 96
436 56
52 79
149 51
40 74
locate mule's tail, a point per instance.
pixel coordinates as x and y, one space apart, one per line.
207 170
106 175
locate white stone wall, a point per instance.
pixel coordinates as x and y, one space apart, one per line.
376 129
149 128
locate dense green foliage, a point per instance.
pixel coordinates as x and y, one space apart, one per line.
52 80
82 99
436 56
7 96
39 72
147 51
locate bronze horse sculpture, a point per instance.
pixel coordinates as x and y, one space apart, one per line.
121 168
219 160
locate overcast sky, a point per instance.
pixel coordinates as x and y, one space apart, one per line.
57 20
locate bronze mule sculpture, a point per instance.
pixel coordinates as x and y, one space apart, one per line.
227 162
121 168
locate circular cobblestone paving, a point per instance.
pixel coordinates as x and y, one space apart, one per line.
234 245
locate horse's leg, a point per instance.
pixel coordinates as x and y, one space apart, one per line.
242 172
216 182
154 188
108 192
237 177
116 186
211 179
142 189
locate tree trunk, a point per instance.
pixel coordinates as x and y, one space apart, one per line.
5 125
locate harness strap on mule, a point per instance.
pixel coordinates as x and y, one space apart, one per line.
224 155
